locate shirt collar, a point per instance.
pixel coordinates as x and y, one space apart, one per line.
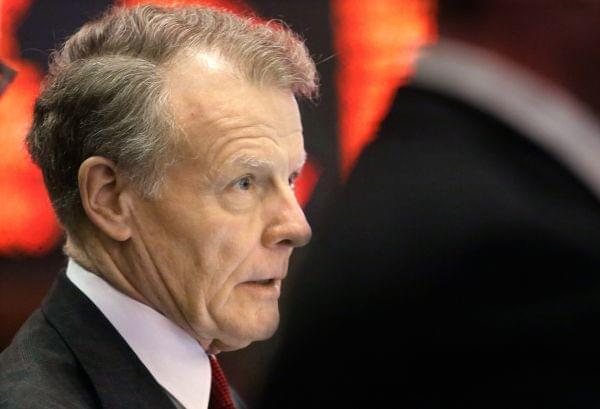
174 358
546 114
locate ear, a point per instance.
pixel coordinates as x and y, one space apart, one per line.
104 197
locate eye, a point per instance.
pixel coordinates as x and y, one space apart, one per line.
244 183
292 180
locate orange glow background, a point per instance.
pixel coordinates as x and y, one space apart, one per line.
27 223
375 44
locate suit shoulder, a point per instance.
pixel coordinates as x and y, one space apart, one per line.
422 110
38 370
442 147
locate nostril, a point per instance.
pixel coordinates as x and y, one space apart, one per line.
286 242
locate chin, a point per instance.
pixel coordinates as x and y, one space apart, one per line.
267 332
243 336
267 327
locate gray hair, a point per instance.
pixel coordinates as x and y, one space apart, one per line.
105 92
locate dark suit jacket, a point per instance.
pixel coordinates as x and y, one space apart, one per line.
459 269
68 355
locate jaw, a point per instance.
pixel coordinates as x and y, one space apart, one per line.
232 326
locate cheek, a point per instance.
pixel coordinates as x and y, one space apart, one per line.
213 248
233 261
221 254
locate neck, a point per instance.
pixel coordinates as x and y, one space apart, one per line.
104 258
129 268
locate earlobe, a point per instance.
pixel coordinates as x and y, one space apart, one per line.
102 188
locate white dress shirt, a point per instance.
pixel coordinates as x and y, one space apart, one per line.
175 359
546 114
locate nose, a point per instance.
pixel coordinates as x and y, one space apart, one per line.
287 226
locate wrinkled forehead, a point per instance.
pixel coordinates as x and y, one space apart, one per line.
205 80
209 101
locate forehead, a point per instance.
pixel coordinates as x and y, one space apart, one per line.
210 102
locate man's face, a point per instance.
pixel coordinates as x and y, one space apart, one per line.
219 237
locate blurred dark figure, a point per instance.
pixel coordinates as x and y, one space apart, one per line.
461 267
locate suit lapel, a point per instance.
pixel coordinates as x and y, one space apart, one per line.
120 379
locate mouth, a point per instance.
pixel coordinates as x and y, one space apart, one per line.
269 288
268 281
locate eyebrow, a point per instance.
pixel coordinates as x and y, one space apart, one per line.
249 161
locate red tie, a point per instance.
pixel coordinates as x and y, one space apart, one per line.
220 397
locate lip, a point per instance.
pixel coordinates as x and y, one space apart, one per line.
277 275
271 290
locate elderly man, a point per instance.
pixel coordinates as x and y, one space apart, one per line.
169 140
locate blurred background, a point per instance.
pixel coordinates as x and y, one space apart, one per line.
364 50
